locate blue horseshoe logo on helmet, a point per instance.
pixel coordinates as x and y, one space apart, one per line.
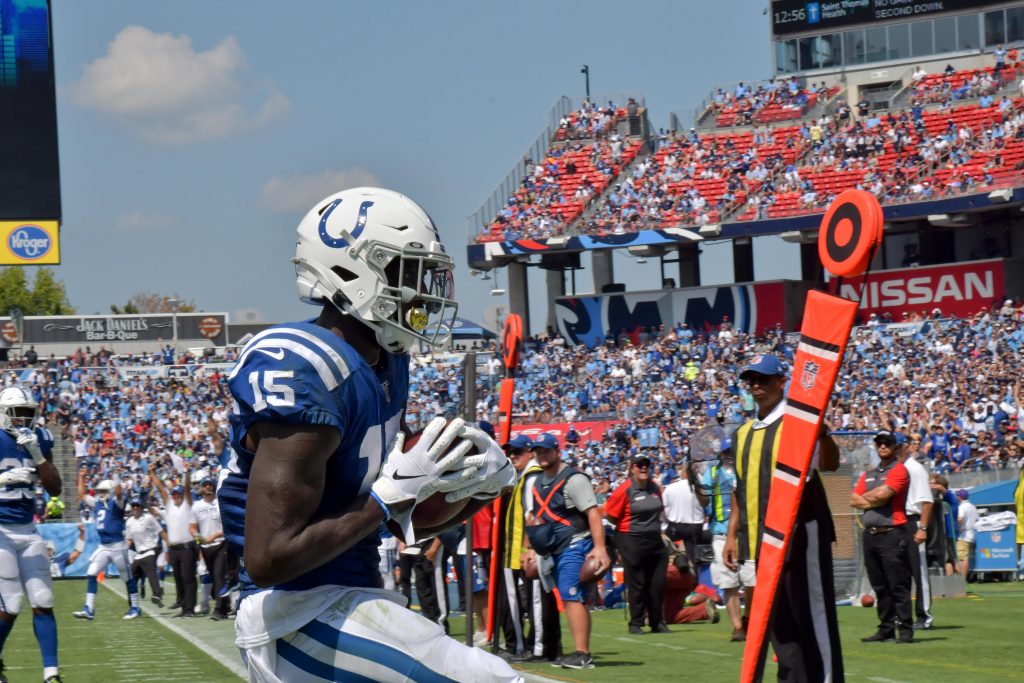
339 242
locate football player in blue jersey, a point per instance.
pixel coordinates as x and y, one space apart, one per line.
25 457
108 509
317 430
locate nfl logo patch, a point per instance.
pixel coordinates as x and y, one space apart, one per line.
809 375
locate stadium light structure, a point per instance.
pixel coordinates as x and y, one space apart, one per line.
586 79
711 230
174 303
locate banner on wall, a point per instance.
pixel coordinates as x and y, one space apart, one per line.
588 431
959 289
60 540
99 329
752 308
173 371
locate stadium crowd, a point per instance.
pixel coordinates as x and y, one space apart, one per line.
930 379
960 132
949 387
949 384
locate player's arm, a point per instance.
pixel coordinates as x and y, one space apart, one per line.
284 537
119 498
50 477
79 544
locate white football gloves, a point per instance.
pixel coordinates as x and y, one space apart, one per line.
424 470
494 471
28 440
18 475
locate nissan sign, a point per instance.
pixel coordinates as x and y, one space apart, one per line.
959 289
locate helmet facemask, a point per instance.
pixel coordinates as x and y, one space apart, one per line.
18 410
377 257
418 299
21 417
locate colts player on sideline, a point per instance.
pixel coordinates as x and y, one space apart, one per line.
24 562
320 464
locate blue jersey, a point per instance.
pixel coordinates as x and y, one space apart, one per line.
303 374
109 516
17 501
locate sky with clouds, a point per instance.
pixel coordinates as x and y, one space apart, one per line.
194 135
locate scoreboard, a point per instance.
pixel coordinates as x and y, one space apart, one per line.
800 16
29 171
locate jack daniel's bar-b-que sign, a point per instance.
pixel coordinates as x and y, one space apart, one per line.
111 329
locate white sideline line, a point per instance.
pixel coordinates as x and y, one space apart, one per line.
236 667
231 665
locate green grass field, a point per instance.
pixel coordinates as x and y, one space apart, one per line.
976 639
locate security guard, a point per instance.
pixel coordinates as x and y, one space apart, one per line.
55 508
805 593
882 493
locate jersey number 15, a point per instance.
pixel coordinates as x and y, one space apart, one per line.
276 394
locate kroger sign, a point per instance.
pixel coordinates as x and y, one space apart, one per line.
29 242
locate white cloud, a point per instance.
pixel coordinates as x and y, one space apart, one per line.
248 315
300 192
141 221
171 94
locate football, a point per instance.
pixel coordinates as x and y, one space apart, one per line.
867 600
435 510
592 571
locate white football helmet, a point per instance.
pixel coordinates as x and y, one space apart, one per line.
377 256
17 409
104 488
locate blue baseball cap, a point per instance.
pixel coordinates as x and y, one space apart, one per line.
486 427
178 488
134 502
545 440
518 442
766 364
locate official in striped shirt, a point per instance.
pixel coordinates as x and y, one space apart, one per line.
804 631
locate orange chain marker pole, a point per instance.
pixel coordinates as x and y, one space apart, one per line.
850 233
511 347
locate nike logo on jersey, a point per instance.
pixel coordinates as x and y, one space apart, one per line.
405 476
278 355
